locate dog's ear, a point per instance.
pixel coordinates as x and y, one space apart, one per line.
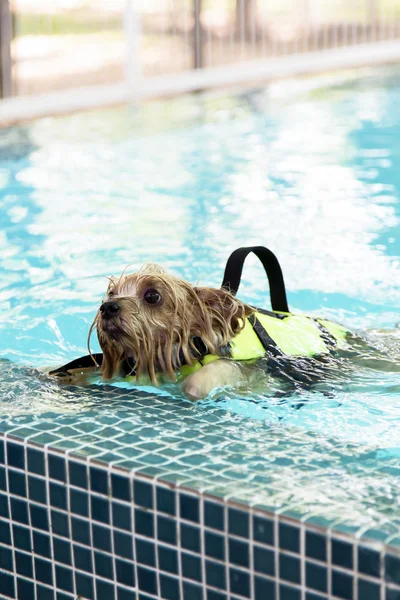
227 313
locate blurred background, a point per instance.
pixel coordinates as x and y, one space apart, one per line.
49 45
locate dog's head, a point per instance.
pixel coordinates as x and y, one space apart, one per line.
151 320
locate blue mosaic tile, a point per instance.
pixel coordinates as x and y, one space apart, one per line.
238 522
368 590
62 596
342 585
392 594
84 586
19 511
39 517
83 559
4 511
120 487
166 501
36 463
166 530
239 582
37 489
123 545
213 595
6 559
101 537
43 571
59 523
98 480
44 593
263 588
312 596
123 594
41 544
215 574
57 468
7 585
192 591
64 579
144 523
147 581
168 559
214 545
189 508
214 515
122 516
62 551
190 537
100 509
342 554
3 479
15 455
392 569
263 530
264 560
369 561
316 577
124 572
316 546
143 493
5 533
58 496
191 566
22 538
104 590
104 566
287 592
169 587
17 483
238 553
289 568
80 531
145 553
79 503
2 453
25 589
78 475
289 537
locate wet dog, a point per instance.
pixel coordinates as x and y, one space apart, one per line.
153 324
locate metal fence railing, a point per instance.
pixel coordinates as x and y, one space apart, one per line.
155 46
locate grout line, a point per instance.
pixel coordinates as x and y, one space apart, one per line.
11 520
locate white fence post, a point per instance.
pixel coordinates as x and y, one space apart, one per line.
6 84
132 42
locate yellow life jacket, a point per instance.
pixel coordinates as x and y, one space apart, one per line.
278 334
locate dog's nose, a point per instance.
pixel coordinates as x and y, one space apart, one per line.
109 309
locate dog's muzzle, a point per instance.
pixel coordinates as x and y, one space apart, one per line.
109 309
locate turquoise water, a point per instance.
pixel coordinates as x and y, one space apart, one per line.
310 169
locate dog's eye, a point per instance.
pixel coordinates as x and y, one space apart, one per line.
151 296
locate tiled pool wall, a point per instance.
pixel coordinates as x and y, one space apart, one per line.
73 528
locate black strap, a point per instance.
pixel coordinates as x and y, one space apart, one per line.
234 268
84 362
329 339
270 313
266 340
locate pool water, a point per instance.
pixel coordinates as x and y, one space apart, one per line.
310 169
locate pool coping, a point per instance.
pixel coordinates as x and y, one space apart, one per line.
298 569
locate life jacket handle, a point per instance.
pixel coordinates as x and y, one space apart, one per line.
234 269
